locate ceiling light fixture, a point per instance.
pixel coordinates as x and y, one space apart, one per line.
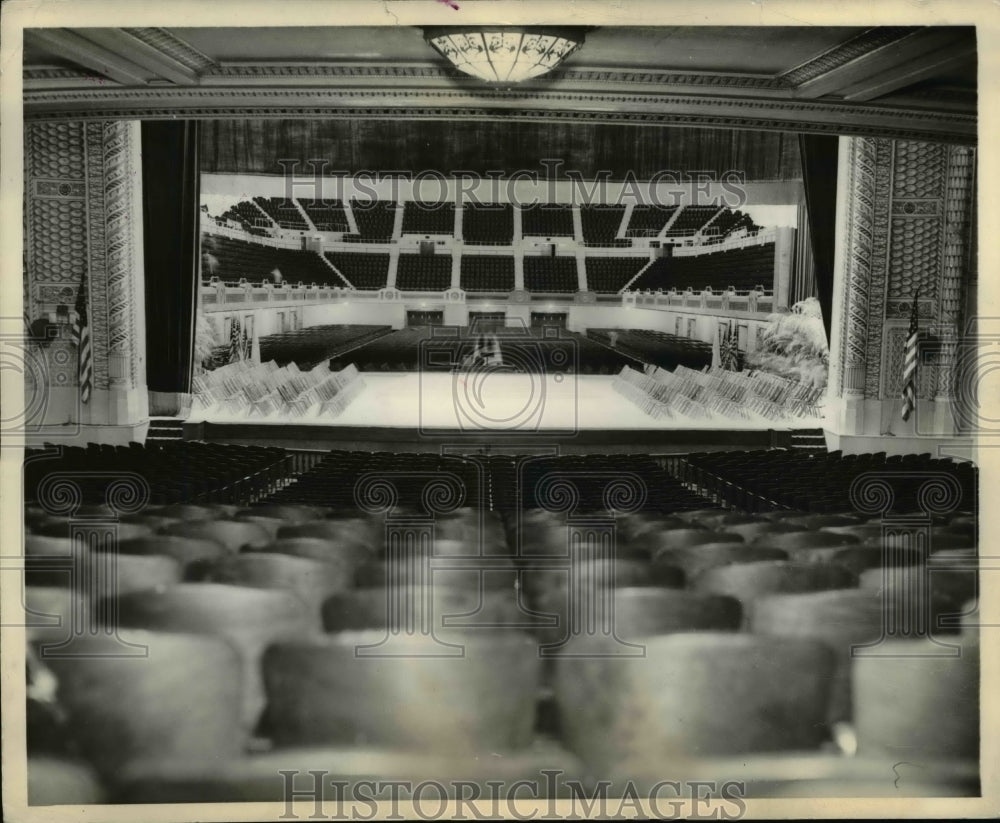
505 55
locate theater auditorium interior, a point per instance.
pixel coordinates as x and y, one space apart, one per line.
500 404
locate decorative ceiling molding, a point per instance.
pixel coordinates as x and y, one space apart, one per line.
174 48
340 112
843 54
230 71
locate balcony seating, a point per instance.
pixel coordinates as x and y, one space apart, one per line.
326 215
283 212
484 272
428 218
648 221
488 224
368 271
254 261
744 269
547 220
375 219
609 275
551 274
424 272
601 224
691 219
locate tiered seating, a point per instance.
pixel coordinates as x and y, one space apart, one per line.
175 471
729 221
764 481
691 219
551 274
424 272
744 269
521 350
326 215
439 568
488 224
375 219
239 258
656 348
487 273
283 212
609 275
547 220
428 218
601 224
648 221
363 270
249 217
311 346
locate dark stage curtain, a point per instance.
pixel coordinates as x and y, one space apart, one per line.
170 193
622 151
819 177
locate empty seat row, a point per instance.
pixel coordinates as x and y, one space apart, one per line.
600 225
744 269
488 224
428 218
231 260
282 211
609 275
487 273
424 272
326 215
375 220
547 220
363 270
551 274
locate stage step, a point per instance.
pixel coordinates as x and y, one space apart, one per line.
165 428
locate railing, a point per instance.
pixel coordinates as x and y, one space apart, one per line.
751 302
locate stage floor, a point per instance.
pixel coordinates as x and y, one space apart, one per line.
493 402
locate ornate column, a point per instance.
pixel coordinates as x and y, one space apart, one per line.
858 235
114 191
954 278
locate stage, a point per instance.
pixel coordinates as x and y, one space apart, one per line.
427 410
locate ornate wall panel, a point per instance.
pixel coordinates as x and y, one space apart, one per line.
80 208
884 152
857 236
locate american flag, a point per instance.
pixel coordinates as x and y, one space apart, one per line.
910 363
234 341
730 354
81 336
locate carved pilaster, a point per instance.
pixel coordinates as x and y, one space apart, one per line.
957 218
884 156
96 257
120 211
858 257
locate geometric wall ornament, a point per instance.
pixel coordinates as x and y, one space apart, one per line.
915 257
919 170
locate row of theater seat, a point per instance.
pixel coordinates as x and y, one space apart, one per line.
609 275
165 472
234 259
363 270
600 224
419 348
743 269
827 482
314 345
283 212
385 626
656 347
420 272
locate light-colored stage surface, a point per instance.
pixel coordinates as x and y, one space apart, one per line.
496 401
